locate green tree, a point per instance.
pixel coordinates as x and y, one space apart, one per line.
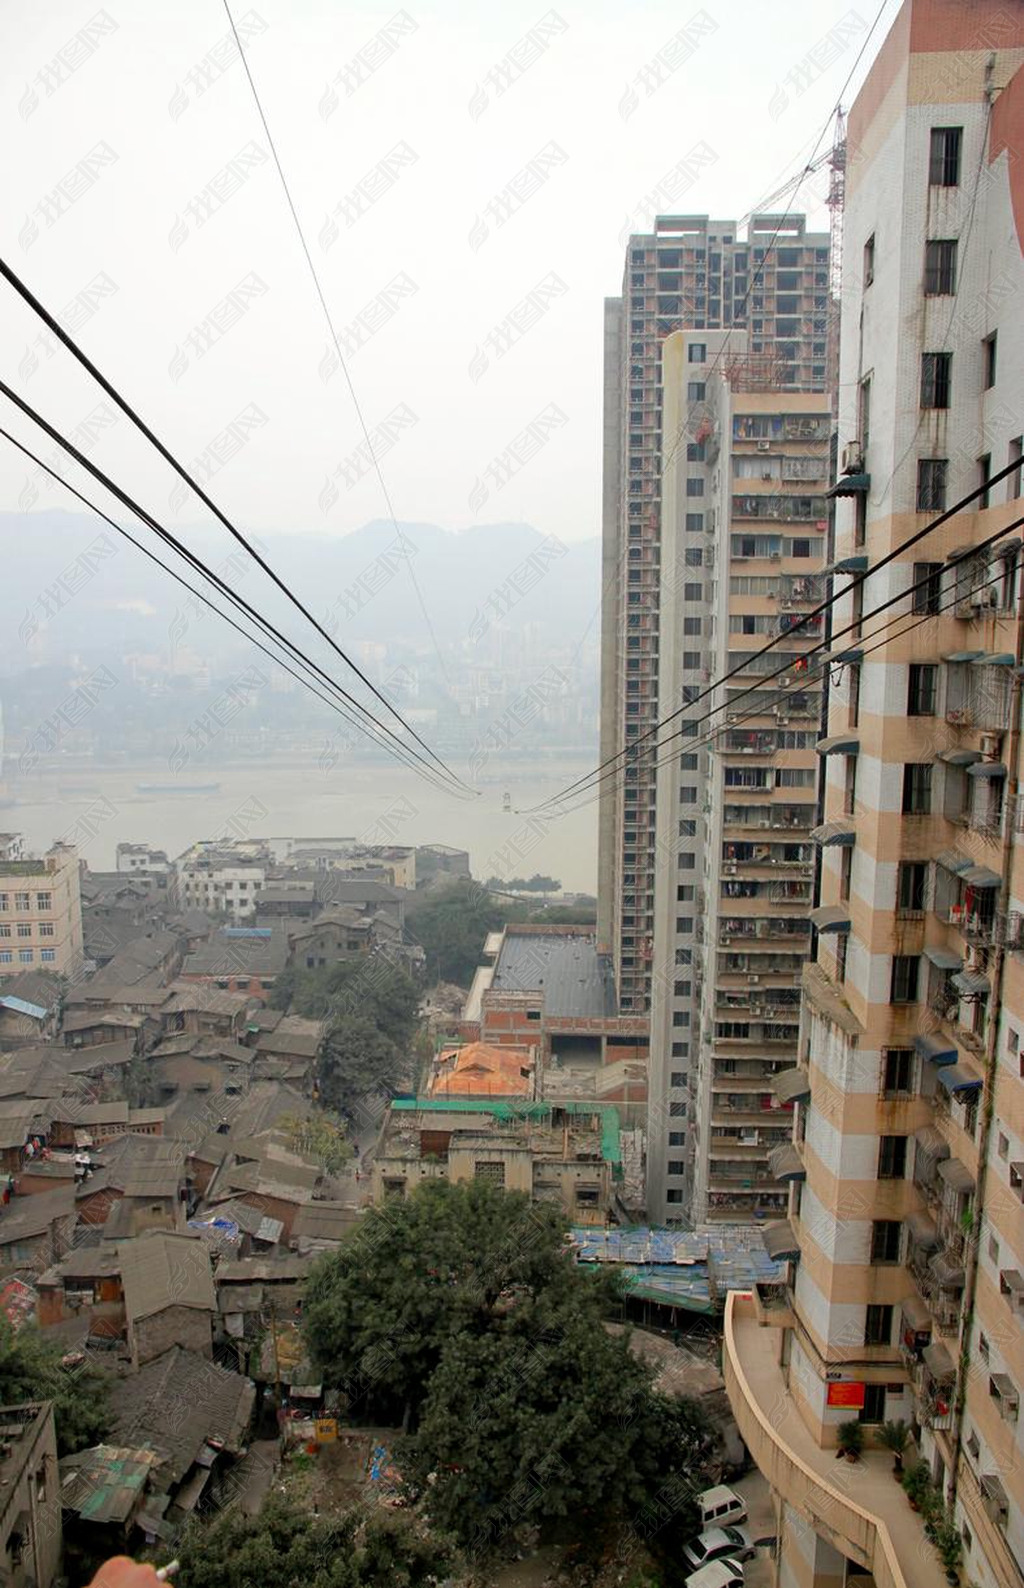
286 1545
451 928
33 1368
371 986
460 1310
357 1058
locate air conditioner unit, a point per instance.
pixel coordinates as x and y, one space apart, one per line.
775 556
990 745
853 458
980 599
764 446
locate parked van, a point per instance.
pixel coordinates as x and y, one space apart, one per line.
724 1573
719 1507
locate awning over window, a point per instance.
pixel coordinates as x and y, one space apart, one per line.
916 1314
959 757
944 958
931 1141
1013 1279
971 983
956 1175
831 918
956 1078
961 656
996 659
952 860
939 1363
836 658
959 553
780 1242
792 1086
990 769
785 1163
839 833
855 564
947 1272
850 485
838 744
937 1050
981 877
923 1231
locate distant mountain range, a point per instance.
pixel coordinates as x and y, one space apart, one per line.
74 585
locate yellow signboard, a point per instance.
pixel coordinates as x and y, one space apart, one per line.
326 1429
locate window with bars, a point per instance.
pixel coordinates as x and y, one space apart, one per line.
931 484
936 370
940 267
944 156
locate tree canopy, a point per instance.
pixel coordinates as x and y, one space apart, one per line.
460 1311
284 1544
33 1368
369 985
357 1058
451 927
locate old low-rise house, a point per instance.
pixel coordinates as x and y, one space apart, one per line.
24 1124
200 1009
290 1050
36 1231
239 959
29 1008
169 1297
81 1124
31 1541
322 1226
341 933
194 1416
103 1491
132 1166
86 1028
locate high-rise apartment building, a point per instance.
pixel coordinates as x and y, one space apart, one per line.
737 800
906 1170
691 273
40 912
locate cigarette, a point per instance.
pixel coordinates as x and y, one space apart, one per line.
168 1570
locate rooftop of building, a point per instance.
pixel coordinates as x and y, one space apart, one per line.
160 1270
178 1405
591 1127
479 1070
222 955
563 965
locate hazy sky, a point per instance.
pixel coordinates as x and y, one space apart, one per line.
445 167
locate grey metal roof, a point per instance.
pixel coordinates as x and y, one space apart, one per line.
573 977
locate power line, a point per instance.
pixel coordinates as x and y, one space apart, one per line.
823 606
195 562
824 663
334 335
126 408
299 677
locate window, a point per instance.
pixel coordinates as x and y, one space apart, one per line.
3 903
5 931
993 1249
927 584
988 349
905 969
917 788
5 956
1016 452
878 1325
694 486
911 881
944 161
24 929
935 379
940 269
897 1072
885 1241
697 353
495 1172
931 484
892 1157
46 929
677 1138
984 475
695 522
695 391
22 901
921 689
44 901
25 956
873 1410
673 1194
676 1166
1003 1147
869 260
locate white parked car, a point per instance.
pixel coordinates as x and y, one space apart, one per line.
722 1573
714 1542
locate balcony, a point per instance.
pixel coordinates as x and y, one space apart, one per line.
858 1509
773 1306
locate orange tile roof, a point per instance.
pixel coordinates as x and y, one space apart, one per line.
478 1070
